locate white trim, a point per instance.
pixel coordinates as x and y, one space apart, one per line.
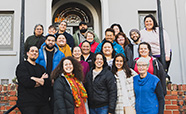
48 13
8 53
180 49
105 16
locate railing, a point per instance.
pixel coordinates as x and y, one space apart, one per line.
7 112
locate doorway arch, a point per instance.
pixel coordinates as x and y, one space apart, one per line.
82 6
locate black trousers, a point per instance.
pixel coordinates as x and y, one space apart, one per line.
36 110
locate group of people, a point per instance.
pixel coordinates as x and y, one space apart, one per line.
65 74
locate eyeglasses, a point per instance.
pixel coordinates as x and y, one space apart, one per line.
142 65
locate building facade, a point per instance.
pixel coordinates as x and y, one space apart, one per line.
99 14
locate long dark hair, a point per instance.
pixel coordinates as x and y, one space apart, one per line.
77 71
126 39
113 52
148 46
154 21
104 60
119 26
125 66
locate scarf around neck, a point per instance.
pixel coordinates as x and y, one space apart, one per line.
76 94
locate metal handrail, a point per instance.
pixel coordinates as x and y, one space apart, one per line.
7 112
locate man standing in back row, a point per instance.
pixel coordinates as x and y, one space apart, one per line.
110 36
37 39
62 30
79 35
131 50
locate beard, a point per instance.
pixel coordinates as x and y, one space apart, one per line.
83 30
136 39
49 46
32 59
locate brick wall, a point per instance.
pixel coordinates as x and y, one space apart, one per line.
8 98
175 100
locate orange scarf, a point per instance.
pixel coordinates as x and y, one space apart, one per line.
75 91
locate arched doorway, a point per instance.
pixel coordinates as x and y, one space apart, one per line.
73 13
98 8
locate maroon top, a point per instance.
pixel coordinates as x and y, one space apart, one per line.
85 68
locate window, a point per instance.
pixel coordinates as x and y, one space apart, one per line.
4 81
6 30
141 15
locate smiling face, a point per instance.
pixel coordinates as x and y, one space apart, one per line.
62 26
121 40
143 50
89 37
33 53
61 41
85 47
142 67
99 61
38 31
109 36
107 49
149 24
134 36
116 29
77 52
52 31
119 63
68 66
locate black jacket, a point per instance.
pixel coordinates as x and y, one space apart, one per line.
160 73
129 55
63 98
102 91
89 59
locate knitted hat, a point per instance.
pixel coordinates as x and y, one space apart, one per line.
135 30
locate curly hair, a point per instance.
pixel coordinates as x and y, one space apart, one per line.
77 69
125 66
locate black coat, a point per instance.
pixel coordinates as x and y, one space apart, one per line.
102 91
129 55
160 73
63 98
89 59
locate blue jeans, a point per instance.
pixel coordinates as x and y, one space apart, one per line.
101 110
